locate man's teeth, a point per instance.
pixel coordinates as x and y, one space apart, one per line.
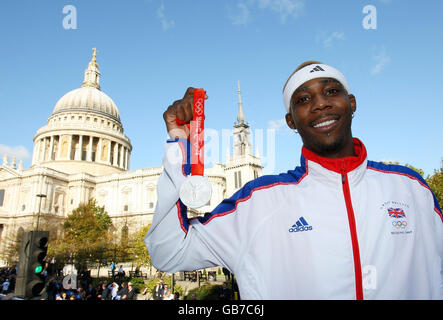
323 124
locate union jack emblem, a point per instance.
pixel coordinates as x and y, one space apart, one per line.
396 213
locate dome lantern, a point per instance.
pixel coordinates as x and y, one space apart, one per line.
92 75
89 97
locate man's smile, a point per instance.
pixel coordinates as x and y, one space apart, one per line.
325 124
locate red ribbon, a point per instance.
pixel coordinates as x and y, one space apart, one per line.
196 135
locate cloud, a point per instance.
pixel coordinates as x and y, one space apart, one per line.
284 8
242 16
277 124
19 152
382 60
328 39
166 24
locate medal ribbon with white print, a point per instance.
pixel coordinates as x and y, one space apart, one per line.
196 136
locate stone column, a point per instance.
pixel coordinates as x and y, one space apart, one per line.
68 156
114 161
89 153
98 152
51 146
42 149
122 148
127 159
78 154
108 156
58 153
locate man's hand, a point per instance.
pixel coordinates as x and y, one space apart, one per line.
179 114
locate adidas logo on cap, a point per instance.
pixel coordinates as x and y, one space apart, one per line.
300 226
317 68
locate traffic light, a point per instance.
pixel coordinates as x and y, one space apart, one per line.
30 278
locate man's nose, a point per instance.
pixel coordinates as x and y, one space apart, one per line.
320 102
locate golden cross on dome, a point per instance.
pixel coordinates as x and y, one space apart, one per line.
94 54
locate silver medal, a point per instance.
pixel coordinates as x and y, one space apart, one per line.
196 191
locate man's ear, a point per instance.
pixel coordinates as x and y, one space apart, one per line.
353 102
290 121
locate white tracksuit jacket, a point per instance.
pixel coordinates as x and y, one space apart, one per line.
330 229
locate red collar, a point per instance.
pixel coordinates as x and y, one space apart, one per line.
339 165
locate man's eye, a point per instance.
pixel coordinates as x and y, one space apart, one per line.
302 100
332 91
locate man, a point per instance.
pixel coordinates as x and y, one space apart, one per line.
112 269
105 293
336 227
121 272
5 286
114 291
158 291
122 291
225 293
131 294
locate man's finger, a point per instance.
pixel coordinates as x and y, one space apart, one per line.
189 92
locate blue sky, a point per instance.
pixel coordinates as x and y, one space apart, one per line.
150 51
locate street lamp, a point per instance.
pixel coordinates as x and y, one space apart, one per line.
38 215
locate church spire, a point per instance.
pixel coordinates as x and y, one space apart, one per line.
240 114
92 75
241 132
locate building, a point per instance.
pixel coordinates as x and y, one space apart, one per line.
82 153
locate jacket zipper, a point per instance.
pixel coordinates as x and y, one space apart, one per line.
353 230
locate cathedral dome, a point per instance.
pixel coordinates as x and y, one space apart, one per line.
88 98
84 133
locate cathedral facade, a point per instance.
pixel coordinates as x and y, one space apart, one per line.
82 153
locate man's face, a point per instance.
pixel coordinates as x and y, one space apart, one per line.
321 111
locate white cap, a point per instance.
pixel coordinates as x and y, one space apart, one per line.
312 71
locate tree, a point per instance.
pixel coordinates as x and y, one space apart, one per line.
86 236
420 171
140 254
435 182
48 222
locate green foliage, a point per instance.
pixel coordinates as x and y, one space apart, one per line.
86 236
435 182
139 252
206 291
87 223
420 171
138 284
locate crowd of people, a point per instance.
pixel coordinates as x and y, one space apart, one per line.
103 291
163 292
8 276
115 288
